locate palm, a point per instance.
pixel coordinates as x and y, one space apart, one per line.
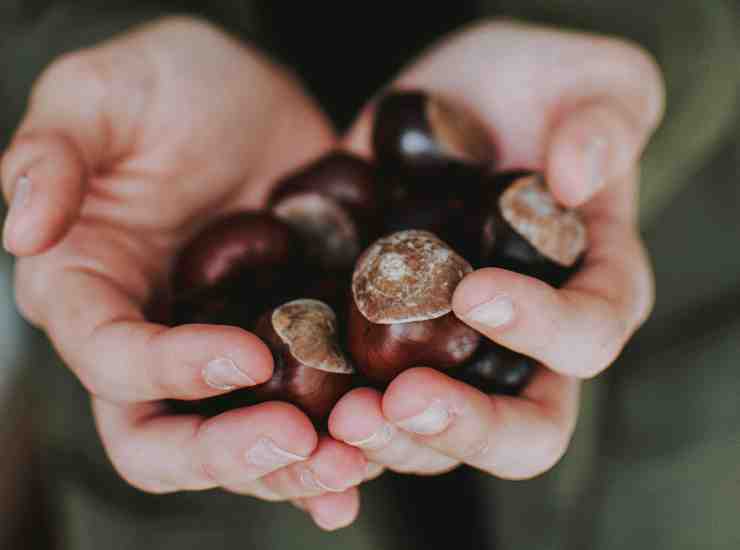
193 151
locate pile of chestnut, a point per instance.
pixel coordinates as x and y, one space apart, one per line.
348 275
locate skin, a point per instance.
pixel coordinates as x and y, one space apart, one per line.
120 178
131 147
586 128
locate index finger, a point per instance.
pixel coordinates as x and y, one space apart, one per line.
102 335
580 329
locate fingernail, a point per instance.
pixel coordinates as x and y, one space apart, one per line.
433 420
21 201
223 374
311 481
376 441
494 313
265 454
595 163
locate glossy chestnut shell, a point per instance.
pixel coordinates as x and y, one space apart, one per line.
382 352
347 179
332 204
495 369
235 268
449 204
310 369
416 132
400 315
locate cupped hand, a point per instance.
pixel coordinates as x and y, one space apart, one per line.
126 151
580 108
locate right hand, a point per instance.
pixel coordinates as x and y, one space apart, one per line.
127 150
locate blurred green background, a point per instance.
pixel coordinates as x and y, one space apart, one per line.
654 463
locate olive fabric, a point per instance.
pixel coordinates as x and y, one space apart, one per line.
654 460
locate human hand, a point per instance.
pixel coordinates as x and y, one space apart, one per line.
580 108
127 150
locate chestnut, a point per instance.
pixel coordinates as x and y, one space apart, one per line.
332 204
224 304
243 261
496 369
449 205
528 232
400 314
329 234
348 180
421 133
310 369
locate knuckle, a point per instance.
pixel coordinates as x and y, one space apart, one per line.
264 493
76 68
150 486
127 468
25 303
545 453
181 21
644 299
91 380
551 448
29 291
646 70
475 448
611 336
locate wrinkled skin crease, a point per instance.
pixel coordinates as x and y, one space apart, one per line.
185 157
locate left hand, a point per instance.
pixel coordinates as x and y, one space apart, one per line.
580 108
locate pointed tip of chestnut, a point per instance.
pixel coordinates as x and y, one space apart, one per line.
414 129
308 328
530 209
407 276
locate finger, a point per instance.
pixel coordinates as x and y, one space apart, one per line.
509 437
595 143
357 419
580 329
42 179
160 453
117 355
58 146
374 471
333 511
333 467
502 73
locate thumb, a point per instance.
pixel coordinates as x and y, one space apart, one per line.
57 146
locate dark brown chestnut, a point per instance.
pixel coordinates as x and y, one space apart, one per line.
244 261
495 369
449 204
401 312
310 369
347 179
231 245
332 204
527 231
418 132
